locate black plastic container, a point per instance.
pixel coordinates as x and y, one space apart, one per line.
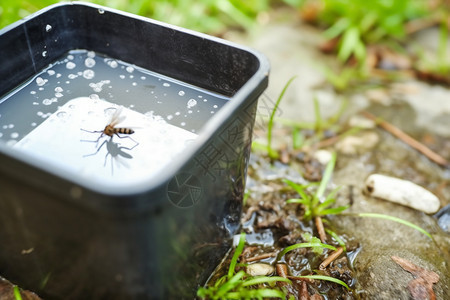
67 237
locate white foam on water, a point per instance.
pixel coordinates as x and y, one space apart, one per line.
116 161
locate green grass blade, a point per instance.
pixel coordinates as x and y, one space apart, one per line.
327 278
298 201
337 238
256 294
17 294
230 284
334 211
304 245
272 116
236 255
265 279
326 176
395 219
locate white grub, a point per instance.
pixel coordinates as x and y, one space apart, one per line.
402 192
260 269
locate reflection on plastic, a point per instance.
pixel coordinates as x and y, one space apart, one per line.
61 142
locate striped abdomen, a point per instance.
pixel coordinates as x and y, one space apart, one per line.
110 130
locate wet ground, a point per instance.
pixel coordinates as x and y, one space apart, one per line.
419 109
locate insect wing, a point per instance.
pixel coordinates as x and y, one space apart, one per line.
117 117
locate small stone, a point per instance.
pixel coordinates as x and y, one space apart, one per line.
260 269
357 144
402 192
361 122
323 156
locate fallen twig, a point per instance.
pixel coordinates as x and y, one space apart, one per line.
320 229
335 254
260 257
430 154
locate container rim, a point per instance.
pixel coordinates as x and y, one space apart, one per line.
258 81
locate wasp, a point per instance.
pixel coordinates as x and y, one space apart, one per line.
111 129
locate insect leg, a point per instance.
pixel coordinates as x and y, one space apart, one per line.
98 149
127 137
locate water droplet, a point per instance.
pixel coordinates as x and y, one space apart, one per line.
1 134
94 97
134 84
166 84
48 28
46 101
181 93
72 76
91 54
212 111
58 95
44 53
130 69
191 103
40 81
14 135
101 11
70 65
59 89
189 111
169 117
89 62
143 77
51 72
10 126
88 74
33 92
177 113
122 76
113 64
131 76
215 106
70 57
58 75
5 127
110 111
61 114
40 113
183 124
35 103
205 100
33 124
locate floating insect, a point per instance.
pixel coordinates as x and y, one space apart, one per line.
111 129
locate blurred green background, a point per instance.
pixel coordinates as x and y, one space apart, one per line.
211 16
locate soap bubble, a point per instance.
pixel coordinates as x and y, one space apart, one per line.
88 74
191 103
70 65
89 62
40 81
